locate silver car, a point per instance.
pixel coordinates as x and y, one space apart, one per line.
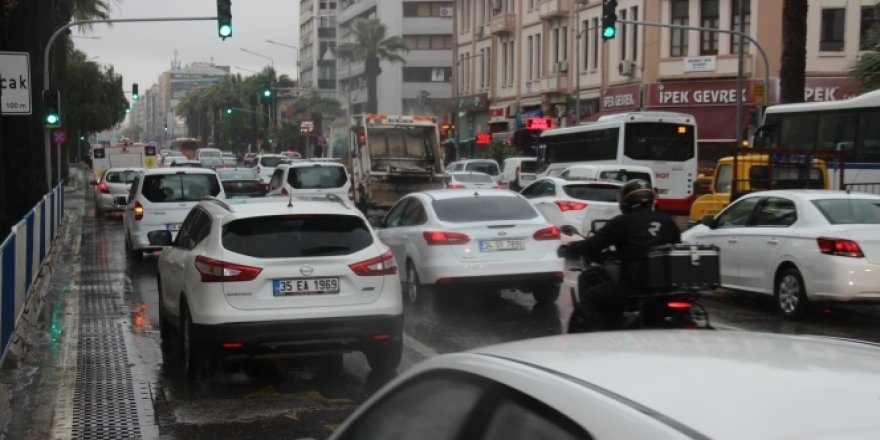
115 182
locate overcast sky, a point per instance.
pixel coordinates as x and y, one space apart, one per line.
141 51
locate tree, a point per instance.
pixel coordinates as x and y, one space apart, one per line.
867 70
372 47
794 51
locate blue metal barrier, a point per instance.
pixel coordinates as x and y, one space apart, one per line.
22 257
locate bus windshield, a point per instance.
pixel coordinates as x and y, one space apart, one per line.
658 141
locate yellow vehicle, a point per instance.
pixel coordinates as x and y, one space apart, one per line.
755 172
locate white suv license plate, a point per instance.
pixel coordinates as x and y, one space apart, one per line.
305 286
502 245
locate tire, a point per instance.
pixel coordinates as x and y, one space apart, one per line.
790 294
361 200
164 323
385 358
546 294
190 354
577 323
415 293
130 251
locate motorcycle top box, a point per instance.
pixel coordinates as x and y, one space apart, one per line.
674 266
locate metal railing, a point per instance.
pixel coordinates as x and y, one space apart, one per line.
871 188
22 257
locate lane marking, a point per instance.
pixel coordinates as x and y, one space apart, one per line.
418 347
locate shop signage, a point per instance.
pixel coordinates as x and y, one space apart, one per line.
623 97
829 89
695 93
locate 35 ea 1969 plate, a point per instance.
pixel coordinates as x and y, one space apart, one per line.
502 245
305 286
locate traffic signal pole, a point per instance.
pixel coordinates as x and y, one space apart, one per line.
47 142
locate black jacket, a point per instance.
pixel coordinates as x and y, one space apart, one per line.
633 234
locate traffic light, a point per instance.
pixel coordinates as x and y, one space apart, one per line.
134 92
227 110
224 19
266 92
51 108
609 19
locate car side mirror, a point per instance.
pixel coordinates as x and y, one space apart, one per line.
709 221
160 238
568 230
121 200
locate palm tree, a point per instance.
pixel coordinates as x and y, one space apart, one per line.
372 47
794 51
867 70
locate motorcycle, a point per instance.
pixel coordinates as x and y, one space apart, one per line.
666 308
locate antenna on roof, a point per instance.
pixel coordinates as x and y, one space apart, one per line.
476 194
290 200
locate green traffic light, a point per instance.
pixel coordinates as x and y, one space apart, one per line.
52 119
225 31
229 111
267 93
609 32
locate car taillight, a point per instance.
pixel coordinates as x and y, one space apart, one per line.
438 238
678 305
499 186
549 233
103 188
839 247
381 265
213 271
138 210
284 191
568 205
455 186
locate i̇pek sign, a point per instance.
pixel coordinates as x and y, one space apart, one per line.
15 82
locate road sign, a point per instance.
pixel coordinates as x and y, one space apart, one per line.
15 80
306 127
59 136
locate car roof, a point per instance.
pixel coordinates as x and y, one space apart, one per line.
479 160
309 163
813 194
264 206
607 166
123 169
723 384
444 194
565 182
179 170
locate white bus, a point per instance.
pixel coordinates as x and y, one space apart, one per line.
851 126
665 142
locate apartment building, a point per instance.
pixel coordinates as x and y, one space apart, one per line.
317 46
423 84
546 58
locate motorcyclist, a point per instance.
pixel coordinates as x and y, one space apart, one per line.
632 233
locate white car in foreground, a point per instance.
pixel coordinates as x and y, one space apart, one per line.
576 203
799 245
278 276
448 239
659 385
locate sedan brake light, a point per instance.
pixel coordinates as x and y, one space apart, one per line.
213 271
439 238
568 205
381 265
284 191
103 188
548 233
839 247
138 210
455 186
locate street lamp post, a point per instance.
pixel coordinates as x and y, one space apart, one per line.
457 118
271 61
577 61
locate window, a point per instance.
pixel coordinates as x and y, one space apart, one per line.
395 217
530 49
776 211
623 31
484 208
785 176
317 177
538 57
837 131
738 214
869 136
297 235
870 17
596 39
120 177
799 131
735 21
850 211
679 37
520 418
540 188
635 34
489 168
722 178
585 44
194 228
598 193
709 19
428 42
658 141
832 30
180 187
582 147
427 74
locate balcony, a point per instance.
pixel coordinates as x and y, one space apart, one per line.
503 23
554 83
550 9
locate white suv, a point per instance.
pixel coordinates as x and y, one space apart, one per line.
160 198
272 276
307 178
265 165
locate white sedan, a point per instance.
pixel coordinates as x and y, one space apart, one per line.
448 239
575 202
659 384
471 180
798 245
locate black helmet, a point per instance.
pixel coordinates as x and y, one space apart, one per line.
635 193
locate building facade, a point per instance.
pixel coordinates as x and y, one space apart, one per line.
421 85
520 58
317 46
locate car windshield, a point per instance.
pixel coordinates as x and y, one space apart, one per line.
489 168
483 209
472 177
850 211
598 193
271 161
528 166
120 176
316 177
237 174
180 187
291 236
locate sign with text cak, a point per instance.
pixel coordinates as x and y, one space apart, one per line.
15 80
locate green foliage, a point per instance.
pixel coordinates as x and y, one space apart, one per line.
867 70
500 150
93 99
371 46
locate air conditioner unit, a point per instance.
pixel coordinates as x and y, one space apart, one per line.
562 66
446 12
627 68
478 31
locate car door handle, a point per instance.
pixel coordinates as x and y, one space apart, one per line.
773 241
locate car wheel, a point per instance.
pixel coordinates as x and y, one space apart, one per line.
129 249
791 296
546 294
385 358
415 293
190 352
577 323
